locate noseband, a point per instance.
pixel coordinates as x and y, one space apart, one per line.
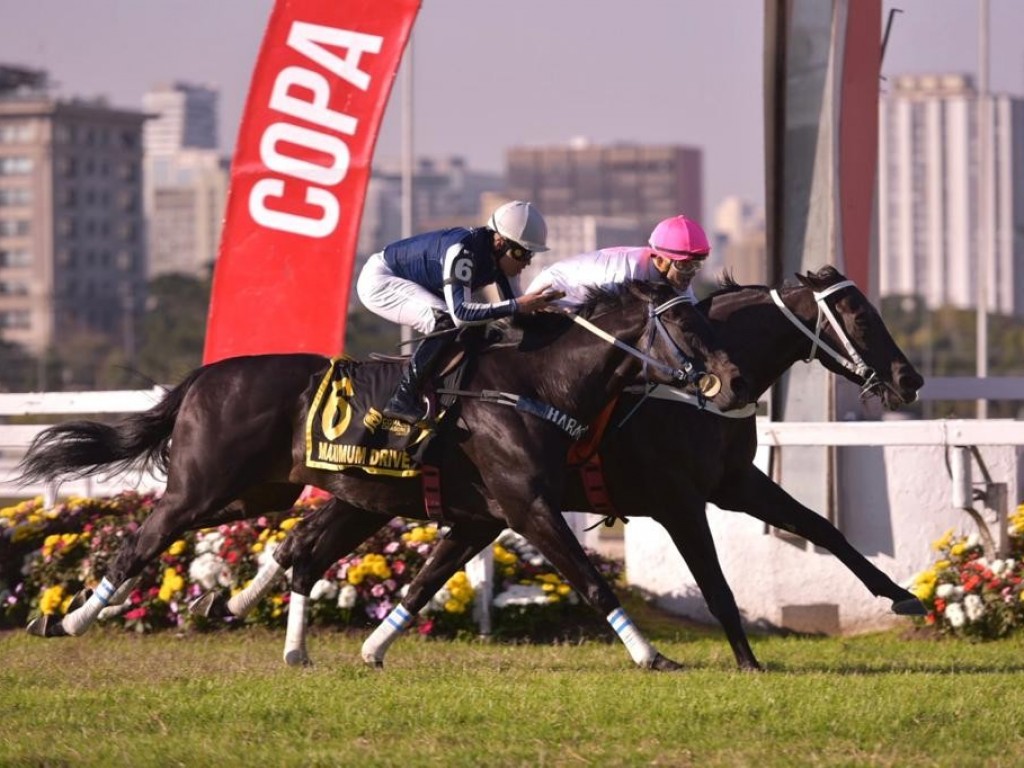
853 362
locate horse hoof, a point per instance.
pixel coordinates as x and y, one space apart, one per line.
909 607
210 605
663 664
373 663
81 598
297 658
46 625
113 611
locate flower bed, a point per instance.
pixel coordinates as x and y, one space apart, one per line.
970 595
47 556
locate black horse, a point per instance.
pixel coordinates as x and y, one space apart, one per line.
651 472
231 439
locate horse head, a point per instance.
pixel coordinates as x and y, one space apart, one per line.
857 344
674 341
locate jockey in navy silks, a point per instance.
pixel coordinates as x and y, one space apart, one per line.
427 281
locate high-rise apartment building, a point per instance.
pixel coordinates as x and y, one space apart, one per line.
929 218
186 180
644 182
183 115
72 253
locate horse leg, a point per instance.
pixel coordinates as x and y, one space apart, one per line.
452 552
178 510
692 536
755 494
309 549
545 528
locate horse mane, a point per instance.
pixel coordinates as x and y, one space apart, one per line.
823 278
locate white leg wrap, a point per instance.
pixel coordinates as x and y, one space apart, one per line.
116 606
295 654
643 652
76 622
244 601
376 645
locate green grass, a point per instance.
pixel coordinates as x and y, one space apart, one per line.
112 698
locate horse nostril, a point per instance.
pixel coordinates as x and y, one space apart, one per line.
740 389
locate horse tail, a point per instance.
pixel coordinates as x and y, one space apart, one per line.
77 449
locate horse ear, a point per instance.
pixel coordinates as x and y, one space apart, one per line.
804 279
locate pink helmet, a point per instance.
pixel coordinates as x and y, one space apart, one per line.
680 239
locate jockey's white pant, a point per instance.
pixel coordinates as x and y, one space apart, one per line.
395 298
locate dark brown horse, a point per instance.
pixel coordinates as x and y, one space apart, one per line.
651 471
231 438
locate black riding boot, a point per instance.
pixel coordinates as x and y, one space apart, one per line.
406 404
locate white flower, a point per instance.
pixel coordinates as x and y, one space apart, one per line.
205 569
955 615
998 567
347 596
210 542
323 590
973 540
974 607
944 591
521 594
437 602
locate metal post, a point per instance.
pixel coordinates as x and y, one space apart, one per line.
408 158
480 571
996 500
984 204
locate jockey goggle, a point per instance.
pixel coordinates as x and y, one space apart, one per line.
516 252
688 266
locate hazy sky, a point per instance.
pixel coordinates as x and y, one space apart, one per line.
493 74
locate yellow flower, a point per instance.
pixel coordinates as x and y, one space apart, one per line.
257 548
454 606
355 575
924 584
503 556
291 522
177 548
563 589
957 549
51 600
172 584
944 541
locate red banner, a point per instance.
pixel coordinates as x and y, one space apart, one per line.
299 175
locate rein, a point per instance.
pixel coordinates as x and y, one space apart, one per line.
686 373
853 362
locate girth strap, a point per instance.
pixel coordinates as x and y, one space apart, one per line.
432 492
573 428
592 475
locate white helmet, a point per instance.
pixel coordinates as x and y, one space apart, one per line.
521 223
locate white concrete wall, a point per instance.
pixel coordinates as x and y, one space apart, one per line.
894 501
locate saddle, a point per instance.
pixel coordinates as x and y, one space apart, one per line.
346 431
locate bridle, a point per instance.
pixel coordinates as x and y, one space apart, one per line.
852 361
706 384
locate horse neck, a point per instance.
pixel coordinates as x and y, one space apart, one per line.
760 339
578 371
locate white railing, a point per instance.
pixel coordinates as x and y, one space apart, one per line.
15 438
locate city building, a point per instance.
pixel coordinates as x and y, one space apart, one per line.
737 233
929 227
72 248
186 179
446 193
644 182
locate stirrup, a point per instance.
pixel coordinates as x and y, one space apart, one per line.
417 415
